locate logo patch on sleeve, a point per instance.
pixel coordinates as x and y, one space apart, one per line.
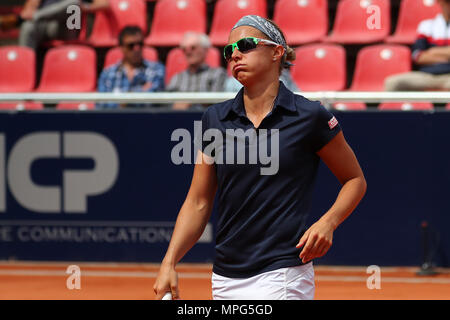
332 123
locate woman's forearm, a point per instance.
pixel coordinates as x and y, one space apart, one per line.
319 237
348 198
434 55
190 224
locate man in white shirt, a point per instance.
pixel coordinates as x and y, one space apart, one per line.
431 53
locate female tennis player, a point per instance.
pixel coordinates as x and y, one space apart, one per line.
262 248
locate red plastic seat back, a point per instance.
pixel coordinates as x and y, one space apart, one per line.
347 106
320 67
13 33
75 106
69 69
411 13
375 63
109 23
17 69
361 21
405 106
228 12
173 18
21 105
302 21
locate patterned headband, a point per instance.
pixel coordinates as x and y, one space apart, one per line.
264 26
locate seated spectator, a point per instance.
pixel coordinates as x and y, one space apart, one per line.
232 85
431 53
198 77
44 20
133 73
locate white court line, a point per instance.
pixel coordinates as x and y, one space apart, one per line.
383 279
141 265
203 275
104 274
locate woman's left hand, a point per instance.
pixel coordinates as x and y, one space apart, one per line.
316 240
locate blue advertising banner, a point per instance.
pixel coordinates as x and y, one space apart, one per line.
91 186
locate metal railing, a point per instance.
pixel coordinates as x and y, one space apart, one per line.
326 97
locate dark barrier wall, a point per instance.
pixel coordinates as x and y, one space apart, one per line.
103 187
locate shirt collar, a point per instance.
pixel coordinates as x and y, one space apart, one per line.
142 66
284 99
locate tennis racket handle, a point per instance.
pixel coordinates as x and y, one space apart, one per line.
167 296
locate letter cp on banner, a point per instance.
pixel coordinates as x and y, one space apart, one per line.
77 184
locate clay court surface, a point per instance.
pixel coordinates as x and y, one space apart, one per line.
26 280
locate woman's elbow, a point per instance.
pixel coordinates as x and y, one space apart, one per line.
363 185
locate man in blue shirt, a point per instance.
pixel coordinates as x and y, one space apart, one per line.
133 73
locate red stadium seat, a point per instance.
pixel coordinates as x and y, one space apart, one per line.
447 107
320 67
6 10
354 105
69 69
411 13
176 61
173 18
302 21
357 22
375 63
9 34
75 106
108 23
17 69
228 12
115 54
405 106
20 105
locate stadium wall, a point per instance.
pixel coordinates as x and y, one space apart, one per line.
102 186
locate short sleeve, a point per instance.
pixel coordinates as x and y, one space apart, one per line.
421 43
326 127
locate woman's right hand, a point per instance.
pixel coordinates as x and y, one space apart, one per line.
166 281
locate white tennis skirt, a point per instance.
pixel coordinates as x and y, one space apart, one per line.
292 283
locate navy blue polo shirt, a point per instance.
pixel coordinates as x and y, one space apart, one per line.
261 216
